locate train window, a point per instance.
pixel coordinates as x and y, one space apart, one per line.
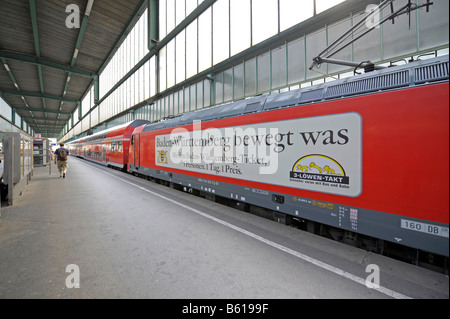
113 147
132 140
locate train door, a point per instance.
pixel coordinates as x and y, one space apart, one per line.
137 160
133 156
104 154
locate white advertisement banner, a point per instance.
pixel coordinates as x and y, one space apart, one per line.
322 154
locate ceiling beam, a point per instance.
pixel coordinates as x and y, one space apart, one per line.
41 110
39 95
40 127
44 119
77 46
39 61
37 46
11 75
82 31
13 79
35 27
47 130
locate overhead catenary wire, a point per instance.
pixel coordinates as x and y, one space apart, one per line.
361 28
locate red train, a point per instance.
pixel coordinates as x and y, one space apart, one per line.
109 147
365 155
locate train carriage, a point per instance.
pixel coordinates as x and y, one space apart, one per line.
76 147
109 147
367 154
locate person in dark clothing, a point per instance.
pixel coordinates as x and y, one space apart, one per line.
61 160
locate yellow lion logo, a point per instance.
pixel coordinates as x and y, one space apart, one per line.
318 164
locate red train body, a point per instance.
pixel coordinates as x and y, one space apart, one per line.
109 147
405 151
367 155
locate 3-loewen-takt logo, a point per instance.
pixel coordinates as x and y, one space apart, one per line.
319 168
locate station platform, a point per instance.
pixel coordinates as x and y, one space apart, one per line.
102 233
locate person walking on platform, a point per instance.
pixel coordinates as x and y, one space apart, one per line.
61 158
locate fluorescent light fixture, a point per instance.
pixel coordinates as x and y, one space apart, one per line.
7 67
75 54
89 7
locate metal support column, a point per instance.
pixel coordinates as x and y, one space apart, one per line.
96 89
79 112
153 23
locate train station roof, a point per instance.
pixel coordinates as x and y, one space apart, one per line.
52 51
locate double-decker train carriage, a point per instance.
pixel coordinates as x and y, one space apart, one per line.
366 155
109 147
